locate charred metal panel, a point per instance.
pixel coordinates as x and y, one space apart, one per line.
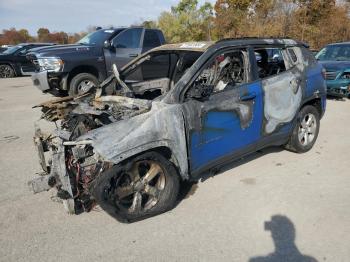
283 93
282 99
163 125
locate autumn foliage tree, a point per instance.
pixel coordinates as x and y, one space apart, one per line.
13 36
316 22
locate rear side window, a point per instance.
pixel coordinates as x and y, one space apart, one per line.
270 61
151 39
130 38
292 55
156 67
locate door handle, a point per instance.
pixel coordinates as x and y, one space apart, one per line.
247 97
133 55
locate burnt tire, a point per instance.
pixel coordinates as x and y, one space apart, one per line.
82 83
306 130
123 195
6 71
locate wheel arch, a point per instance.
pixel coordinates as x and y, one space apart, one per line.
161 147
82 69
315 102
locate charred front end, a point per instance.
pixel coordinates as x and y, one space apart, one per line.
70 165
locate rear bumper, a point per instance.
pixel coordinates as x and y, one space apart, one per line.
40 80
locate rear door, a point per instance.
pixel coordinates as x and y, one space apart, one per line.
282 83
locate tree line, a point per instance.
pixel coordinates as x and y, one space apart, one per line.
316 22
13 36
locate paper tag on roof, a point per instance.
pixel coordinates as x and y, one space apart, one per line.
193 45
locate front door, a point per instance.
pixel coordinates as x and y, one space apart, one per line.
125 47
223 111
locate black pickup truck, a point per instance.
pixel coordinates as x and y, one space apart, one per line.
13 60
76 68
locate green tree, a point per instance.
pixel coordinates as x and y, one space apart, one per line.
187 22
43 35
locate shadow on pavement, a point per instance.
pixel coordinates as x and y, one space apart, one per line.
283 236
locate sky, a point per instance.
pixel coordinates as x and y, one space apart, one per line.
77 15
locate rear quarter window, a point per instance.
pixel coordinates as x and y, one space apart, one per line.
292 55
151 39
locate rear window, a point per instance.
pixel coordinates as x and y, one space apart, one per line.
151 39
292 55
129 38
270 61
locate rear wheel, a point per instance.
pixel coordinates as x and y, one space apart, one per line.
6 71
82 83
305 131
148 185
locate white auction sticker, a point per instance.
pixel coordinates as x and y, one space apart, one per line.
193 45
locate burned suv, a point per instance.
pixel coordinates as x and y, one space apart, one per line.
194 108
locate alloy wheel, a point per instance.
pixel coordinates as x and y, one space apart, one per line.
139 189
85 86
307 129
5 71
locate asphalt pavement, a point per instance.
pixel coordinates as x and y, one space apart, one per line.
270 206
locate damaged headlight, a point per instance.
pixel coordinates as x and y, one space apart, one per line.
51 64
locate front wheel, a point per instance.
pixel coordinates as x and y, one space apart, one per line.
6 71
305 131
146 186
82 83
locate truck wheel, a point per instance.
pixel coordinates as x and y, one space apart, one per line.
82 83
305 131
6 71
146 186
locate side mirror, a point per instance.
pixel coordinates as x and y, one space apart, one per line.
107 44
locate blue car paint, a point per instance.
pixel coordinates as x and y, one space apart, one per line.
315 81
222 133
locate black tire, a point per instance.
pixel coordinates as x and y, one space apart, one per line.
80 81
105 189
303 139
6 71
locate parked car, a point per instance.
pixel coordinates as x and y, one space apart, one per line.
336 60
195 108
4 48
79 67
13 61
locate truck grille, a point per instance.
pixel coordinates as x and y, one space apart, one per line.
331 75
